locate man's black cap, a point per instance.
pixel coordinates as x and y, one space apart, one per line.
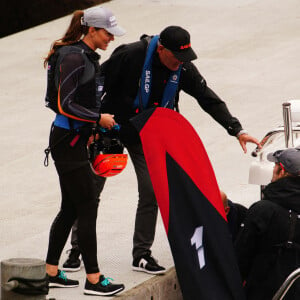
177 40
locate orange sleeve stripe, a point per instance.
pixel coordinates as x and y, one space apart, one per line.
66 114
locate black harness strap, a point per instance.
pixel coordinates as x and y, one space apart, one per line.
290 243
48 149
84 130
293 221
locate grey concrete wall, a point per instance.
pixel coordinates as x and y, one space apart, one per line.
164 287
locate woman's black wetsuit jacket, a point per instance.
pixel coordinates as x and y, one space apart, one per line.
75 100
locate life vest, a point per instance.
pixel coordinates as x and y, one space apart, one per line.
91 70
142 99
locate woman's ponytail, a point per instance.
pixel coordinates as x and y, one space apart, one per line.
73 34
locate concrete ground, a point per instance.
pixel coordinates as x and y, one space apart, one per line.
248 51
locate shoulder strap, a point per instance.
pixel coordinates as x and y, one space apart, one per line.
293 221
141 100
170 90
290 243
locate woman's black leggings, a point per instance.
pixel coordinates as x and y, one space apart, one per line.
79 198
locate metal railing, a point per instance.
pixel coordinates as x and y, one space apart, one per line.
287 284
288 127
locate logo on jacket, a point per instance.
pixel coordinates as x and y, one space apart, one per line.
147 81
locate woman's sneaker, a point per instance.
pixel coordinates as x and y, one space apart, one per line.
61 280
72 264
147 264
103 288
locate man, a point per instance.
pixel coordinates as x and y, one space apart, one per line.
235 213
145 74
268 246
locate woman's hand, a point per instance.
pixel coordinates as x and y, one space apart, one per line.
107 121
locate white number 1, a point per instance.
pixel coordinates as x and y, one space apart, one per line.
197 240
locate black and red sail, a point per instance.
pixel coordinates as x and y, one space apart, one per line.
191 207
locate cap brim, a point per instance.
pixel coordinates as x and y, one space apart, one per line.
116 30
185 55
271 157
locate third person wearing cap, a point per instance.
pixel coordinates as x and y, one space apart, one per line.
268 245
150 73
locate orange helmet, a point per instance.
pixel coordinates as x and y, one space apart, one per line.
107 165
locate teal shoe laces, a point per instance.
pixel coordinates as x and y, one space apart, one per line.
105 281
62 275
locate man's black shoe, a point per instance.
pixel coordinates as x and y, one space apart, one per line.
61 280
103 288
72 264
147 264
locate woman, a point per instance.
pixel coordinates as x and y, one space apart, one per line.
77 102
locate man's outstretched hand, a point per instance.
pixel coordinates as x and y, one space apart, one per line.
246 138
